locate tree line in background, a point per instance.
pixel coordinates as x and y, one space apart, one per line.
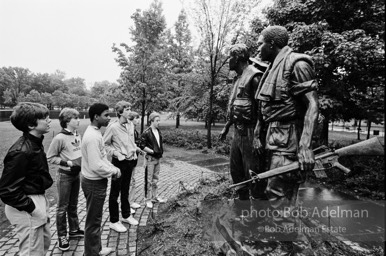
161 70
53 90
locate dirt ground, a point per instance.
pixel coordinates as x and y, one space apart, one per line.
181 228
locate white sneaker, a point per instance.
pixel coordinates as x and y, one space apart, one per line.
135 205
131 221
132 211
118 226
161 200
149 204
105 251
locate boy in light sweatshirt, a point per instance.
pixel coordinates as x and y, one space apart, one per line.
121 146
96 169
65 152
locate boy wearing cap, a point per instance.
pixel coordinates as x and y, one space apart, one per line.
25 179
151 143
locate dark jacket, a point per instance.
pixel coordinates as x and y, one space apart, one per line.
137 138
148 140
25 173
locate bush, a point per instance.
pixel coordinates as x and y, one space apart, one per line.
195 139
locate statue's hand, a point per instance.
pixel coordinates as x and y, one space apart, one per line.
223 134
306 158
257 146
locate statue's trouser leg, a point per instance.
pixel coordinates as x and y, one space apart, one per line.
253 162
282 194
242 161
236 166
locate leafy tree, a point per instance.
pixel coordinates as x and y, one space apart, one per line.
61 99
178 58
32 96
15 81
349 55
219 24
251 37
4 81
85 102
42 83
19 84
49 82
113 94
57 81
109 93
141 70
47 99
99 88
76 86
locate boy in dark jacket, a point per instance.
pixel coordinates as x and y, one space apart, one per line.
25 179
151 143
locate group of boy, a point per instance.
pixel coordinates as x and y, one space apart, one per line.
81 162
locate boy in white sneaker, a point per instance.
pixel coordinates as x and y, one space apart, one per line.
122 148
65 152
151 143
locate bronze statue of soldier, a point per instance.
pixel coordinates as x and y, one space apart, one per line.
288 107
243 113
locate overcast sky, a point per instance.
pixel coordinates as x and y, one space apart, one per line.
74 36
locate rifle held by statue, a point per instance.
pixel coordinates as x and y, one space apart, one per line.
327 159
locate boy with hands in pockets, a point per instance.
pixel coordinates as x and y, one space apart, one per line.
25 179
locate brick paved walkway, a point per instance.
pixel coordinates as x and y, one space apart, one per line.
172 172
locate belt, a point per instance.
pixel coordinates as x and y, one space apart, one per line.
68 172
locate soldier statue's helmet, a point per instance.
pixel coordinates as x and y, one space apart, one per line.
262 66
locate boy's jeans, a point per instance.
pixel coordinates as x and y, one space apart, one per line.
151 178
68 193
95 194
33 230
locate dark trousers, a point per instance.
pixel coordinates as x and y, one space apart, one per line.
121 186
95 194
243 159
282 191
